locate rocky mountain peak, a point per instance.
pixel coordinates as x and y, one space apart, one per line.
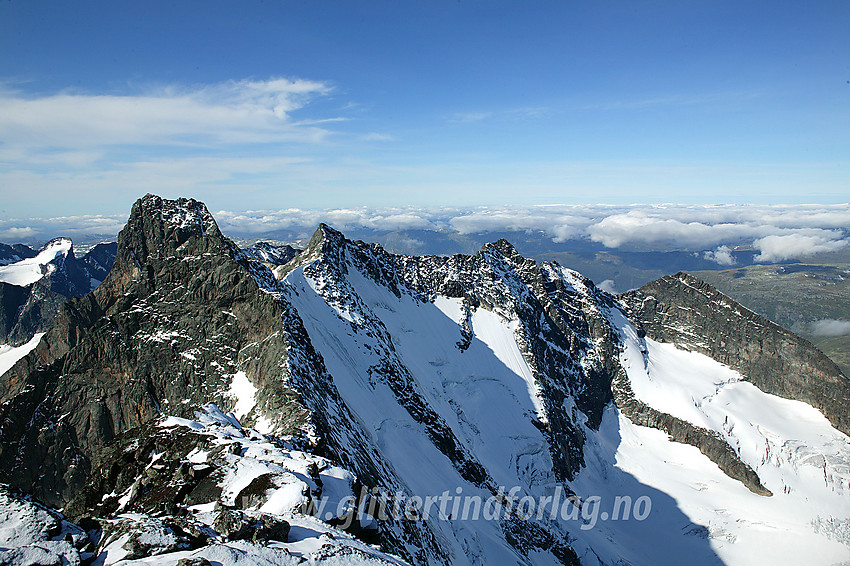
504 247
692 314
325 241
350 367
179 316
161 226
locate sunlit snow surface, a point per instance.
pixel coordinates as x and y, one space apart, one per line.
485 394
9 355
310 540
797 454
488 397
28 271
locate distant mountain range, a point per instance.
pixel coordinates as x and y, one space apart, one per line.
342 404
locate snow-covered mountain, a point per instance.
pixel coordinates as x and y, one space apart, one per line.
27 271
271 253
34 284
472 409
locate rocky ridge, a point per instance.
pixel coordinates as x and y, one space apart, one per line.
362 362
684 310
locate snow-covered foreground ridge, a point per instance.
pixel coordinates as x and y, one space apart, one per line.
269 528
478 409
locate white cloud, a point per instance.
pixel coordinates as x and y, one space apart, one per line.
829 327
608 286
776 233
13 230
14 233
662 226
807 228
232 112
303 222
559 222
721 256
792 246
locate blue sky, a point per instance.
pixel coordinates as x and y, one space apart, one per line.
307 104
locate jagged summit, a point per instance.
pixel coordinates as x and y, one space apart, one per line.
158 225
204 389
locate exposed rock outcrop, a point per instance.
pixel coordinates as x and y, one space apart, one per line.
692 314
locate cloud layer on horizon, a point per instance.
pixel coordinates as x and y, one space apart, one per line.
774 233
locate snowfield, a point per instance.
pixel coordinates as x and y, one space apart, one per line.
793 448
9 355
28 271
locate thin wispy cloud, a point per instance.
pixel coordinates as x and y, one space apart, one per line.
520 113
467 117
377 136
228 113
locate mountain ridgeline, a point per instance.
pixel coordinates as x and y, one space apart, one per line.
27 308
417 375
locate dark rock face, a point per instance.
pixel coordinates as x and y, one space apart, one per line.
177 315
36 313
12 301
98 260
125 465
692 314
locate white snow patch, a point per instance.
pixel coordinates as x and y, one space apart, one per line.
10 355
243 392
28 271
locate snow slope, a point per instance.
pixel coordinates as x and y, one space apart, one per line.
794 449
485 394
9 356
28 271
